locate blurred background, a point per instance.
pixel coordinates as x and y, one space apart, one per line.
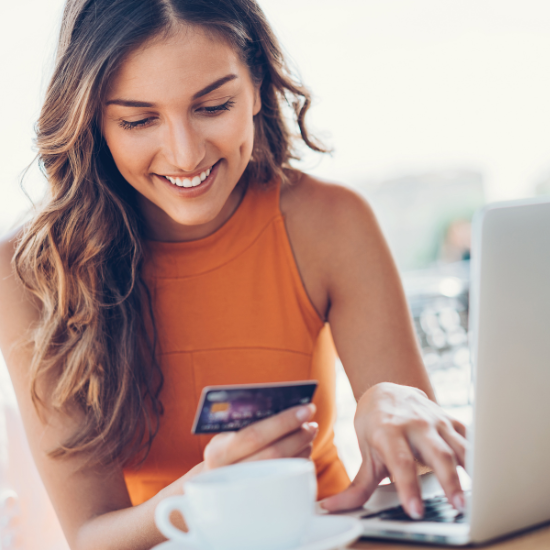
433 108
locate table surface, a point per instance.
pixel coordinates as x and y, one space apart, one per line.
534 539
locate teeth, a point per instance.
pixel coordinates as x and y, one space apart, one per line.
188 182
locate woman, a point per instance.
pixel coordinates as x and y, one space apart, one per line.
177 249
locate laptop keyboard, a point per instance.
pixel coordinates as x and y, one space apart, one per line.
436 509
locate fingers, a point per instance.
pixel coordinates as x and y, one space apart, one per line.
435 451
456 442
232 447
391 448
459 427
396 424
356 494
443 460
395 452
296 444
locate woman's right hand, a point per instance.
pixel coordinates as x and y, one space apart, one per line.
285 435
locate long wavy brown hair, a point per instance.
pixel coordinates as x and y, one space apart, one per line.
82 253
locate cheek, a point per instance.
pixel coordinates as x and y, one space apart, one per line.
130 154
236 134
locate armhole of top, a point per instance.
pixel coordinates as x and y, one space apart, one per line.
291 258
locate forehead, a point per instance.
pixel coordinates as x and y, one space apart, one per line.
182 62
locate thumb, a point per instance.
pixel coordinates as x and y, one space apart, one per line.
359 491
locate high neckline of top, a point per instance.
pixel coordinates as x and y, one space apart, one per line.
257 208
224 227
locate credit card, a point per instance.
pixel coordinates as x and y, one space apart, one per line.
230 408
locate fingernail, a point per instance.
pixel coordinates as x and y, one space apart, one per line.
303 413
322 504
415 509
312 426
459 502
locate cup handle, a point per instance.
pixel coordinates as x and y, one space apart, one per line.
166 527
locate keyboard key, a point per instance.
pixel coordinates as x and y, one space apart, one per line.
436 509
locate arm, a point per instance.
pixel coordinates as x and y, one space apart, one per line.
93 506
353 282
81 499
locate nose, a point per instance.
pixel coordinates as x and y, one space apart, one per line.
184 146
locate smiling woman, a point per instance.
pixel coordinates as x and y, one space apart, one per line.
177 249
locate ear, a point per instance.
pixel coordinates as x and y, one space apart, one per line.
257 101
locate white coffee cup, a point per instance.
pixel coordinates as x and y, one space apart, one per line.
267 504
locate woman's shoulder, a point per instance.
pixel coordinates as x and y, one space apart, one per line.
18 309
8 246
325 209
333 234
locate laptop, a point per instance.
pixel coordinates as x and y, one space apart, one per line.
508 487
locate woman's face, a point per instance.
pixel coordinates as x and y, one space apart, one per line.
178 121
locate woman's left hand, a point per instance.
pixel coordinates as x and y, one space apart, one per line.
396 427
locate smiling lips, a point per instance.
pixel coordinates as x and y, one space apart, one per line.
190 182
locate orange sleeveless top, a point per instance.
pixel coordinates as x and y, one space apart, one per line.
231 309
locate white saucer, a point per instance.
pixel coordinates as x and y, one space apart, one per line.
325 533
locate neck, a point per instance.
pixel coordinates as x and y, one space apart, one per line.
160 227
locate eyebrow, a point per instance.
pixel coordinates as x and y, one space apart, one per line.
206 90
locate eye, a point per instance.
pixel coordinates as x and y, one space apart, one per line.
218 108
137 124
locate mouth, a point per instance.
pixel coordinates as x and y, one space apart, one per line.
194 181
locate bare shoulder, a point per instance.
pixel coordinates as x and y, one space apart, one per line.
324 204
334 218
18 309
9 282
8 246
334 235
7 251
